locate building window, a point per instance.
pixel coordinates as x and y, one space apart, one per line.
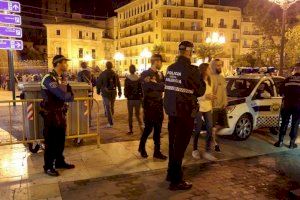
156 1
156 36
195 38
58 51
80 53
93 36
222 22
80 35
208 22
196 3
57 32
182 13
195 15
169 13
94 53
182 2
181 25
149 39
181 37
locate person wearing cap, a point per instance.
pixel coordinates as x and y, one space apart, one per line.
290 90
183 85
55 93
153 87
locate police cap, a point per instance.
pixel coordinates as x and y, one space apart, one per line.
58 59
186 45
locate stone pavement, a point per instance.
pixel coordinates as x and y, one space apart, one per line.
265 177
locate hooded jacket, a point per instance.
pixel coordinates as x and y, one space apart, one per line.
219 88
133 88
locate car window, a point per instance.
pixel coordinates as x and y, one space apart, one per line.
264 90
278 81
240 87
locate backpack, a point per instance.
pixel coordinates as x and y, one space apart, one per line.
111 82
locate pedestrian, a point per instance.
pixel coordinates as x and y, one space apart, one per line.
183 86
107 84
205 112
153 88
55 93
133 92
86 76
220 101
290 90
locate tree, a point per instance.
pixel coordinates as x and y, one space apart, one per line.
246 60
292 48
209 51
158 49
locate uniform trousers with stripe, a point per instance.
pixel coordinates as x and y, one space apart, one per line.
180 132
288 112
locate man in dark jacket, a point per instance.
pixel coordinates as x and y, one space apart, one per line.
153 88
182 87
107 84
290 90
133 93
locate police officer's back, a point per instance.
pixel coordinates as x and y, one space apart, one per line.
183 85
290 90
55 93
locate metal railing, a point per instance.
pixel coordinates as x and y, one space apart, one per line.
31 119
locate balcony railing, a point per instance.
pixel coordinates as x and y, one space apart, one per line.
251 33
235 26
222 26
140 20
137 33
136 44
178 16
171 40
235 40
182 28
209 25
186 4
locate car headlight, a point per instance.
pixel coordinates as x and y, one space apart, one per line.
229 109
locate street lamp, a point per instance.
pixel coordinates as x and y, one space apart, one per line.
215 38
284 4
146 54
87 58
118 57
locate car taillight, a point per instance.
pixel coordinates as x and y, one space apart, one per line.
229 109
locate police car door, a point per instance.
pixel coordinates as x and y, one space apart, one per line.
265 104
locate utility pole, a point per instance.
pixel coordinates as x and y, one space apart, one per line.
10 54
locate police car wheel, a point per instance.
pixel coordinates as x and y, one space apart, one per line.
243 127
33 148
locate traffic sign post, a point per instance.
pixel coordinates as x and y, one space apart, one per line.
9 32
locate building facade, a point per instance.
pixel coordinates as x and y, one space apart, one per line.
57 7
159 25
92 43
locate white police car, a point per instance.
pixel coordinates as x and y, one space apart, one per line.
253 103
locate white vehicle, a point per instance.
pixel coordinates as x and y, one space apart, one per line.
253 103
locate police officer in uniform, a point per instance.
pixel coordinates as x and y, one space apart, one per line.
290 90
55 93
183 85
153 87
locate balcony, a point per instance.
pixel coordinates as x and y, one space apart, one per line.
178 28
251 33
186 4
178 16
141 20
137 33
235 26
136 44
209 25
222 26
235 40
171 40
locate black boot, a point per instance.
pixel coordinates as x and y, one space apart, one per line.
159 155
293 145
279 143
143 152
183 185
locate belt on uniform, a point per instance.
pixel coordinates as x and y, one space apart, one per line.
179 89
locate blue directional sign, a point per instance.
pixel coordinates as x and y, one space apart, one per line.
10 19
11 44
10 32
11 6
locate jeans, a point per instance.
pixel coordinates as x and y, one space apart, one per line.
286 114
136 106
109 107
208 125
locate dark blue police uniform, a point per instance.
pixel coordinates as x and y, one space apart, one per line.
183 85
290 90
53 111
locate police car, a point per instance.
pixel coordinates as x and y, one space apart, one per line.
253 103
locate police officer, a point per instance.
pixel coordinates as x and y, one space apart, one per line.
153 88
55 92
290 90
183 85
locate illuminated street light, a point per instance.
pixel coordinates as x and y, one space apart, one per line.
146 54
284 4
215 38
118 57
87 58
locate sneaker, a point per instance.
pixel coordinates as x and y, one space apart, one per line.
159 155
278 144
51 172
209 156
196 154
108 126
64 166
180 186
